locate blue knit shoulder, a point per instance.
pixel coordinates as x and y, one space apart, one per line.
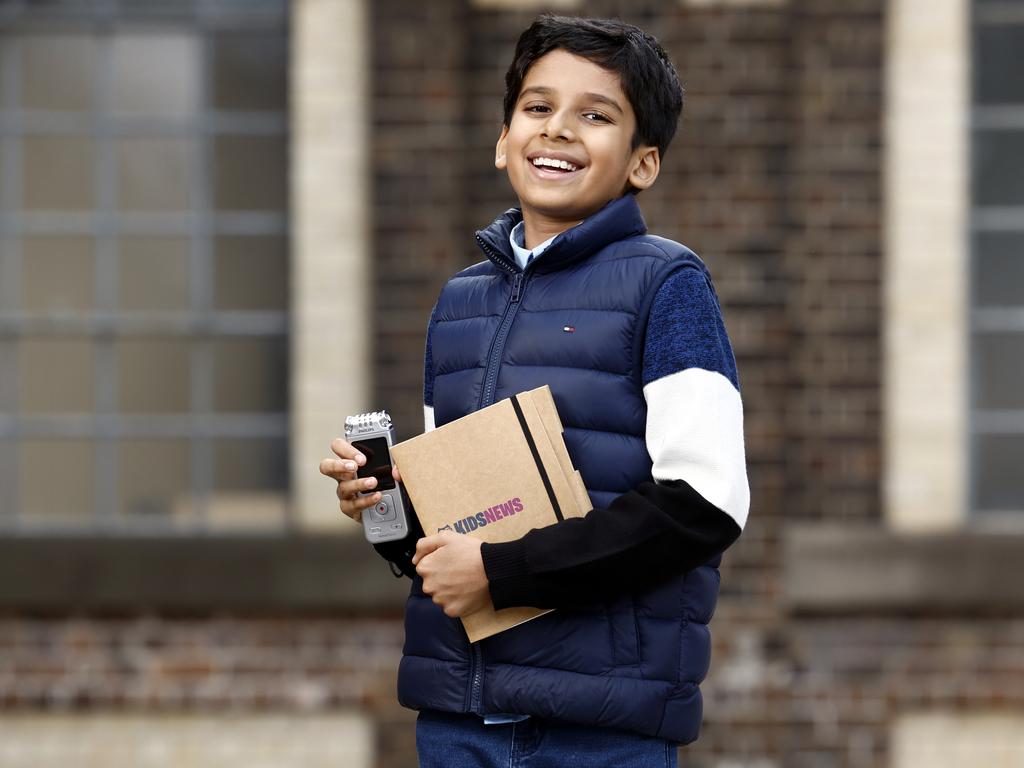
685 329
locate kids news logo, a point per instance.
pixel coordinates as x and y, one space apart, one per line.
488 516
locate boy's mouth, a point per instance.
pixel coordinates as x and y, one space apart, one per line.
556 164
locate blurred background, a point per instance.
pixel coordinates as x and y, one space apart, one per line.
222 226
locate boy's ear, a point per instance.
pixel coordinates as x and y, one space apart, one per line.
646 164
500 161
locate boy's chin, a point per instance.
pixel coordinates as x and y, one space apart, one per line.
566 212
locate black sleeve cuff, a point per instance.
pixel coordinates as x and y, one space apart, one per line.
507 572
504 560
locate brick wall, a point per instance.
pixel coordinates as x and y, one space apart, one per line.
774 178
208 664
249 673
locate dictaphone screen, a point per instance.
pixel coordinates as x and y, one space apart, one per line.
378 462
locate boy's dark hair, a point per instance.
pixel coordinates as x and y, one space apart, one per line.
644 69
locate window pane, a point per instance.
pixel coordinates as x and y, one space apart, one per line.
56 376
58 274
154 375
999 377
250 71
250 375
250 478
999 168
999 62
154 273
154 174
56 480
251 273
156 74
250 173
59 173
58 72
999 482
8 380
999 269
155 480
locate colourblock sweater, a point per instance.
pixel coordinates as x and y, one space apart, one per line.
699 501
631 652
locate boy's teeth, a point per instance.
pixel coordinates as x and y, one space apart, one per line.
551 163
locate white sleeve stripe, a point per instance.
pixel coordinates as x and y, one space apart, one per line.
695 434
428 418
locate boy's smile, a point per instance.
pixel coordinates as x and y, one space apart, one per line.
568 148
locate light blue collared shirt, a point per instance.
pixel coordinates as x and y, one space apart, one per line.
516 239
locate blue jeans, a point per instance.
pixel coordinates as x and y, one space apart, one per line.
446 740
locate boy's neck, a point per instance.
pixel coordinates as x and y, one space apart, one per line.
537 229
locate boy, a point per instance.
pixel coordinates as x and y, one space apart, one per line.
626 329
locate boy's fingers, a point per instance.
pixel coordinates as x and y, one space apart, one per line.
351 490
346 450
338 469
425 546
396 474
354 507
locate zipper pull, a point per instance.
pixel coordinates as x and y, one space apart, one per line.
517 287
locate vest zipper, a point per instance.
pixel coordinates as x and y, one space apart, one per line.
498 343
478 679
487 398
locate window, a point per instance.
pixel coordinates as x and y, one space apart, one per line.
143 265
997 261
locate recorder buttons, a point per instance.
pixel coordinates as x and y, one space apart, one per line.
385 508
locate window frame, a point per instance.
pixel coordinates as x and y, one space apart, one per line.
990 219
202 324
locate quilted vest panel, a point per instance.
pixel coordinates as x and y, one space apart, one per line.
574 320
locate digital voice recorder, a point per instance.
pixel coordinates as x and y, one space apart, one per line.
373 434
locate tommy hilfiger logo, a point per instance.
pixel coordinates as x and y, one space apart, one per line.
489 515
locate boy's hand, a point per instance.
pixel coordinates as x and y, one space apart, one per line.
343 469
453 572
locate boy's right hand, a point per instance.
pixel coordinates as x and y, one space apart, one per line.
344 469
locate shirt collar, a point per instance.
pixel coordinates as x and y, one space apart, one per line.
618 220
517 237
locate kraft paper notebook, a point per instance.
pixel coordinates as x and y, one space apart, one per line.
495 475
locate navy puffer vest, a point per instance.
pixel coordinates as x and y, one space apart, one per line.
634 662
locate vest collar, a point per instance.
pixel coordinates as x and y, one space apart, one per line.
619 219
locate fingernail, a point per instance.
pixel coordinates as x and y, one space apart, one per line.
360 458
350 466
370 482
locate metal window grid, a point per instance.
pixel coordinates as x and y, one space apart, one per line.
200 224
987 219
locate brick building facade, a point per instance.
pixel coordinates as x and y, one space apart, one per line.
842 639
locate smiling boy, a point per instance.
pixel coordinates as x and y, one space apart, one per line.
626 329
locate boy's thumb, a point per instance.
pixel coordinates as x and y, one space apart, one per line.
427 545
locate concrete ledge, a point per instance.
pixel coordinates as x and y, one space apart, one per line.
291 574
837 570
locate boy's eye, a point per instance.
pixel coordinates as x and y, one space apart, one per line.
595 117
537 108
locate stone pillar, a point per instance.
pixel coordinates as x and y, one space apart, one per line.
330 243
926 264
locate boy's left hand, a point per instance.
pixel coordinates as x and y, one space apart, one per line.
453 573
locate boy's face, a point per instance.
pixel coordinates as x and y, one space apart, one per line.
570 109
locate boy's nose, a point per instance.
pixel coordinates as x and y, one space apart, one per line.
558 127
